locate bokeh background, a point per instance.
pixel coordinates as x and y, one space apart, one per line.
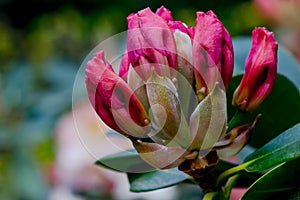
42 45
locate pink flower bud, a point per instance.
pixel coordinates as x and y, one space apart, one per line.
150 43
113 100
212 46
260 71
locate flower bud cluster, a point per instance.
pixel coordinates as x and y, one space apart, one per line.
169 96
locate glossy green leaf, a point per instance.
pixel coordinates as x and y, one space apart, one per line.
296 195
155 180
278 183
126 161
280 110
283 148
142 182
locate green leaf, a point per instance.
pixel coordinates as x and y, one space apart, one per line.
142 182
283 148
156 179
296 195
280 111
277 183
126 161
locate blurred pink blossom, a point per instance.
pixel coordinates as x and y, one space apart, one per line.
285 16
74 169
237 193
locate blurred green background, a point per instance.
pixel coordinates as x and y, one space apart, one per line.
42 45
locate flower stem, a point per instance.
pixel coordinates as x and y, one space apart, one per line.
235 120
230 172
210 195
229 185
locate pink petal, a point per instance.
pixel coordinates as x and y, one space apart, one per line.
208 35
124 66
227 59
178 25
164 13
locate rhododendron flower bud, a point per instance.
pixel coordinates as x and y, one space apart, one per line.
212 46
260 71
113 100
150 43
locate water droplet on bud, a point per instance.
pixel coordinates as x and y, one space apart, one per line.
146 122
